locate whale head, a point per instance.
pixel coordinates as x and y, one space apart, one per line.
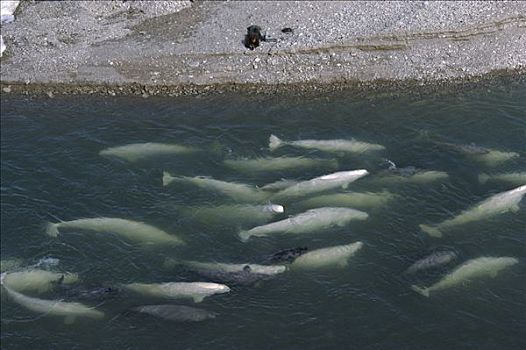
276 208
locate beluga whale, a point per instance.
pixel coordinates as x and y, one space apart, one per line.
139 151
242 274
467 272
359 200
433 260
310 221
487 156
407 174
177 313
234 190
37 280
236 214
196 291
319 184
515 178
494 205
135 231
336 256
70 310
338 145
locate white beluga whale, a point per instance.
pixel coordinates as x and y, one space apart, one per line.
516 178
268 164
338 145
178 313
37 280
70 310
237 191
135 231
494 205
467 272
336 256
360 200
139 151
196 291
323 183
309 221
238 214
431 261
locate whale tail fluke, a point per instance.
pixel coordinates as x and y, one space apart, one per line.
244 235
421 291
483 178
432 231
52 229
274 142
167 178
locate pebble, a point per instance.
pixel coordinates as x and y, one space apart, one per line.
319 27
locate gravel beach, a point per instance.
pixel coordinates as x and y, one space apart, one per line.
178 47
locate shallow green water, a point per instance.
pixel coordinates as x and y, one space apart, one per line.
51 170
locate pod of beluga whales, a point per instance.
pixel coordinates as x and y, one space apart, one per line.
324 203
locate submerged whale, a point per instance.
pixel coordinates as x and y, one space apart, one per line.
488 156
238 214
494 205
336 256
70 310
517 178
133 230
468 271
360 200
243 274
138 151
279 164
279 185
310 221
433 260
178 290
237 191
410 175
338 145
178 313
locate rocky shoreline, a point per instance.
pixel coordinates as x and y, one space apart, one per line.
172 48
392 88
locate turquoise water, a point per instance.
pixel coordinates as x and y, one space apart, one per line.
51 170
